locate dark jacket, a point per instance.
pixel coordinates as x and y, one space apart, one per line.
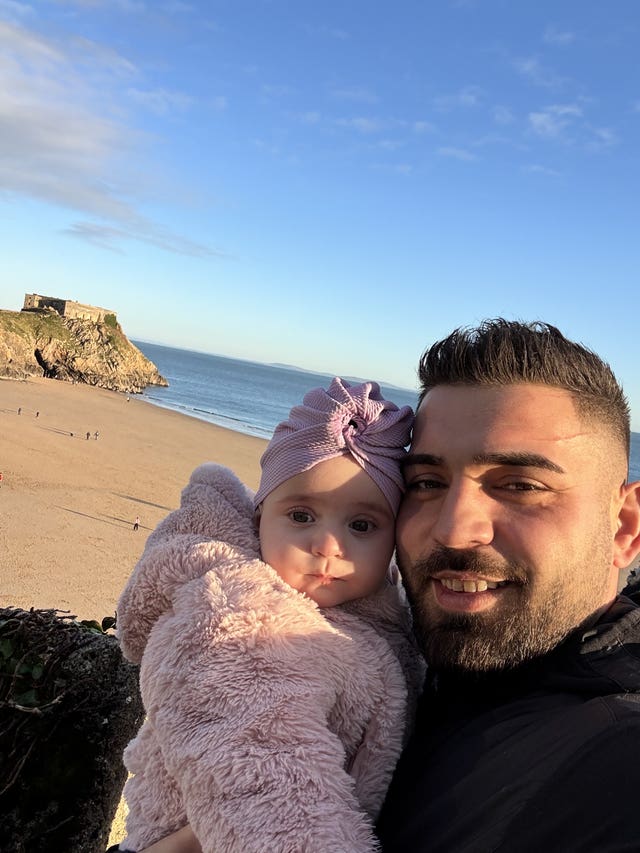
544 759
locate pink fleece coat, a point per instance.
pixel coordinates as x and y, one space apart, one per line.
272 725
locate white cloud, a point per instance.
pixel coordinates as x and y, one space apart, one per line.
553 121
390 144
552 35
63 137
130 6
537 169
310 117
160 101
457 153
469 96
503 115
602 138
328 32
178 8
274 91
14 11
109 236
362 124
532 69
355 93
403 169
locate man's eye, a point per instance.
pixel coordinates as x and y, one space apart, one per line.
300 516
425 485
523 486
361 525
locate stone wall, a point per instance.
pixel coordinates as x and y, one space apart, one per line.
66 307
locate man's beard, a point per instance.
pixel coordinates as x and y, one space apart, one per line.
516 629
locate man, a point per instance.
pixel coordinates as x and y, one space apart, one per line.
516 521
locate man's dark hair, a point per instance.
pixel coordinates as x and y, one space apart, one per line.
506 352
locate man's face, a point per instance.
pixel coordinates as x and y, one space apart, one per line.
505 537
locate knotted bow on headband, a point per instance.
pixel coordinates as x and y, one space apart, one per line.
345 419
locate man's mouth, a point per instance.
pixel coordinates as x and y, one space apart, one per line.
468 585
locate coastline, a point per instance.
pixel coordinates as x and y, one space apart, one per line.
68 503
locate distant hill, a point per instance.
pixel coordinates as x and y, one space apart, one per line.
42 343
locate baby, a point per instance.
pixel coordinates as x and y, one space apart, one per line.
278 669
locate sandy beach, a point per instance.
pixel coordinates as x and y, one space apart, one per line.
68 503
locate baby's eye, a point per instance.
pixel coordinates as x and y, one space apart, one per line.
300 516
361 525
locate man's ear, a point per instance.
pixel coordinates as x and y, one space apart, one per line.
626 542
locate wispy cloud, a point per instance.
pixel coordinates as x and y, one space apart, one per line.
552 35
160 101
275 91
457 153
131 6
552 122
176 7
502 115
110 237
310 117
363 124
390 144
328 32
403 169
355 93
538 74
537 169
469 96
602 138
64 139
15 12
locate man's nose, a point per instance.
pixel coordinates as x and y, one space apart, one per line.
326 542
466 518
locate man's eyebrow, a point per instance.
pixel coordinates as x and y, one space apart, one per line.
518 459
421 459
515 459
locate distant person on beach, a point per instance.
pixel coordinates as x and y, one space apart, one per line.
136 523
37 414
88 436
278 668
96 434
19 410
516 520
1 478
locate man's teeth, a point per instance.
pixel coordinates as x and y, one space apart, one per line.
470 586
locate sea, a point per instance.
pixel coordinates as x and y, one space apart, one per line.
252 398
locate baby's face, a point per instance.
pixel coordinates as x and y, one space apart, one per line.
328 532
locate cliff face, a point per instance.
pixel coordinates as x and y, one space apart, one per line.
42 343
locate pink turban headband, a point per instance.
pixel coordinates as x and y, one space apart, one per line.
344 419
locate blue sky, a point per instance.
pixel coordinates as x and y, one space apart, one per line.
332 185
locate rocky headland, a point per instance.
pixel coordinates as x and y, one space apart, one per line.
43 343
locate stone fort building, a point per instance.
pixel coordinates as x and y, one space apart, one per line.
65 307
